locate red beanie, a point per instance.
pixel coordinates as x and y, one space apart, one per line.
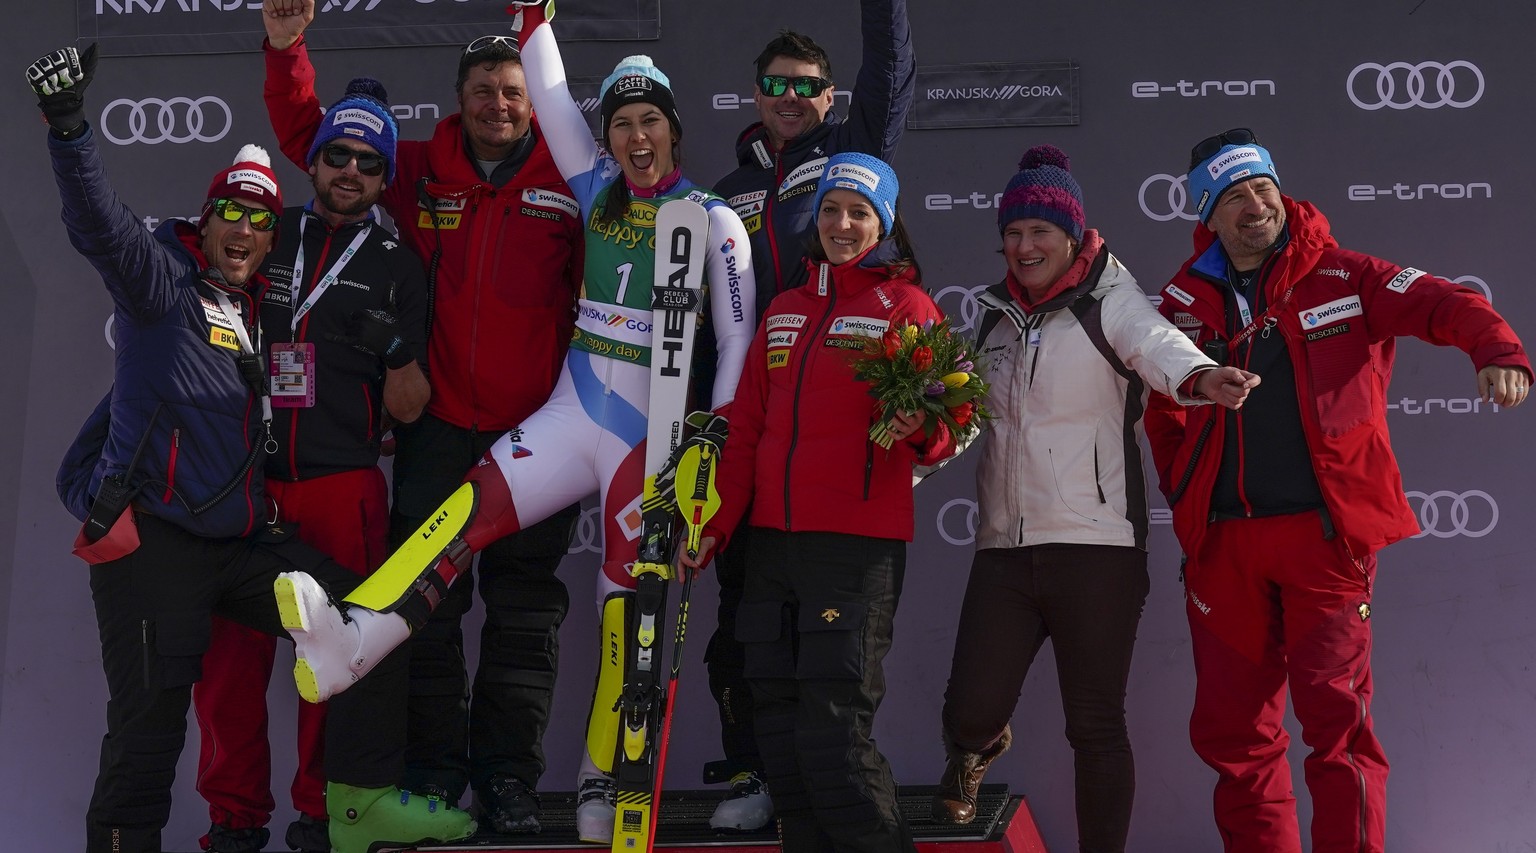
250 178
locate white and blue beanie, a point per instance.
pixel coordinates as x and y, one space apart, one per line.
1228 167
636 79
868 176
362 114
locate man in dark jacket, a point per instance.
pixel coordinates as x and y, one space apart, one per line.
1282 505
483 205
167 477
346 318
773 190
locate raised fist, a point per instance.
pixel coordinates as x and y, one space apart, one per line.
286 20
59 80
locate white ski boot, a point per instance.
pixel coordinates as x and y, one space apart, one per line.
746 808
595 801
333 649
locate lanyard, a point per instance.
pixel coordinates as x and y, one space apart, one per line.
247 348
323 284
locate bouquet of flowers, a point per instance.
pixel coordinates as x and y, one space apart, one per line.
927 368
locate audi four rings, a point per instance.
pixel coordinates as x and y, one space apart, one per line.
968 310
1372 86
156 120
1177 198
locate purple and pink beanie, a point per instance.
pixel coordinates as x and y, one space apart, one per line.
1044 189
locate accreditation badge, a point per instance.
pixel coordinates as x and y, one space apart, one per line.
293 375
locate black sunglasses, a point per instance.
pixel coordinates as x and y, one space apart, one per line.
230 210
485 42
338 156
1206 148
774 85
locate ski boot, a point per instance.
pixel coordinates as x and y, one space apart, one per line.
332 648
364 817
595 807
746 808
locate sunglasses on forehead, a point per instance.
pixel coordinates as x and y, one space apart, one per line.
774 85
485 42
338 156
230 210
1207 147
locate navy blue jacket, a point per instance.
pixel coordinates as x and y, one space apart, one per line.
174 388
773 191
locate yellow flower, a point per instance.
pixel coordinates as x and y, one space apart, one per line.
955 380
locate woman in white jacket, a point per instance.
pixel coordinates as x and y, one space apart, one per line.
1074 348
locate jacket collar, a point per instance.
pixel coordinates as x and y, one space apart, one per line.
753 149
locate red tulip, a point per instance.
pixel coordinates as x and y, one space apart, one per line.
922 358
963 413
892 341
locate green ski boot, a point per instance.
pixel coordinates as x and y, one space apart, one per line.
364 817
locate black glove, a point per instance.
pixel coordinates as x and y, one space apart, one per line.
378 333
59 79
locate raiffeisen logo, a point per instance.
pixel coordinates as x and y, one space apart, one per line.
1203 89
1419 192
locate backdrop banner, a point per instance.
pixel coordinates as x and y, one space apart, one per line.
154 27
995 94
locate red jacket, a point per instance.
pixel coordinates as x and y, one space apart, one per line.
799 450
1340 325
503 304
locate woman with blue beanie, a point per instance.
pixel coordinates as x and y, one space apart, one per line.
1074 348
831 514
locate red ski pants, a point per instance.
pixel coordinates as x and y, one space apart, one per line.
346 516
1271 601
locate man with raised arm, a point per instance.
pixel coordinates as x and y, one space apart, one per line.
483 205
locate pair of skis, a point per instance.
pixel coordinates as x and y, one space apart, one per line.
679 493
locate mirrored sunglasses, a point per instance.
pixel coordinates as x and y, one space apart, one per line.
774 85
1206 148
230 210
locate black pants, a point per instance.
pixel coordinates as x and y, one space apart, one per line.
455 740
153 611
1088 600
724 658
816 619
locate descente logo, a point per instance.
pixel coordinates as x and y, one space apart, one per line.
993 93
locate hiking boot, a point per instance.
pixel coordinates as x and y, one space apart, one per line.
746 808
955 801
509 806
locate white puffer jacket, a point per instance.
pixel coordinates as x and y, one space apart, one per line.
1062 462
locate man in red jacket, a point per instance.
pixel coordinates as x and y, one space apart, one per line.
484 206
1281 506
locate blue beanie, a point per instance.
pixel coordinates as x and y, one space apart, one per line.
1232 165
636 79
868 176
362 114
1044 189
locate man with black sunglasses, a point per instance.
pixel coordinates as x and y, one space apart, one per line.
345 317
167 478
483 205
773 190
1282 505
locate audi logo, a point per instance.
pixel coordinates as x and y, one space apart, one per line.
156 120
588 538
1474 281
957 528
1445 514
1171 205
1402 86
964 314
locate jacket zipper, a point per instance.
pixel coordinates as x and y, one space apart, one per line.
170 466
298 336
483 242
805 360
773 244
869 465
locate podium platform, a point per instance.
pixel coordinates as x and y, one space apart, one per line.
1003 825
